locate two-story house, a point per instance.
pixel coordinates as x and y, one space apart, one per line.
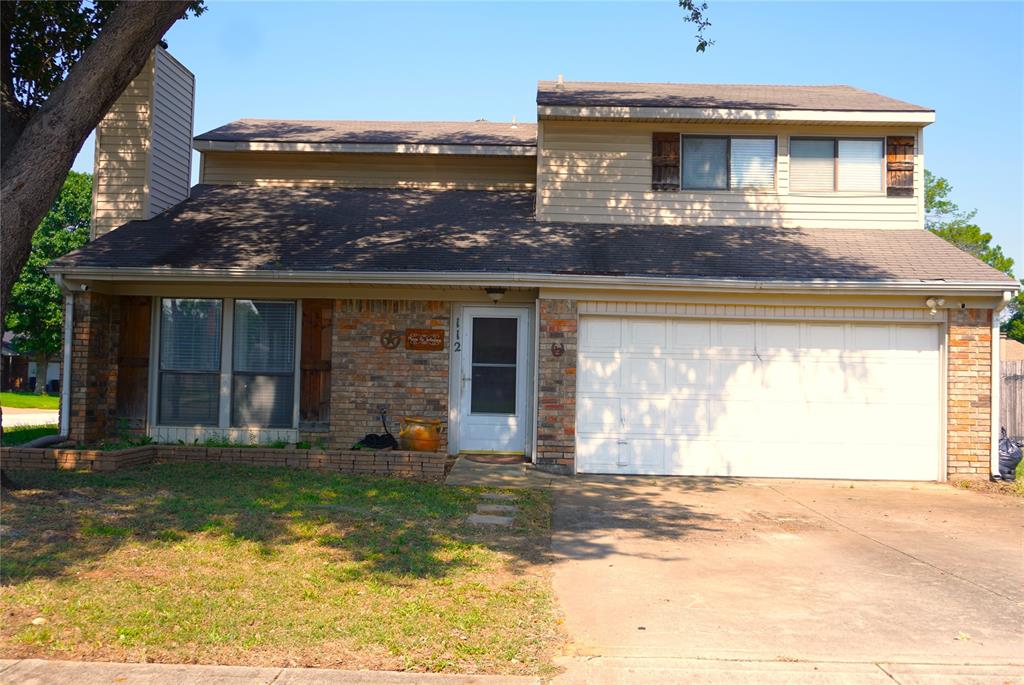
727 280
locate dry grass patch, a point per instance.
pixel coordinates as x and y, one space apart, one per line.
212 563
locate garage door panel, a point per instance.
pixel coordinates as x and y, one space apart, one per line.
823 338
600 333
644 415
599 372
736 335
601 455
688 417
919 341
598 414
784 337
689 377
645 336
643 456
740 379
690 335
645 375
770 398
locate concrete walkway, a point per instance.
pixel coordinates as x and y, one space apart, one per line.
476 474
577 671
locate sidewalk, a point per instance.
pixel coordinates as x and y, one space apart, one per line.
40 672
18 416
578 671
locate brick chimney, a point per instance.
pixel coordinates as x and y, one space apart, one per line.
143 160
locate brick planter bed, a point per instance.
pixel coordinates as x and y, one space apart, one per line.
427 466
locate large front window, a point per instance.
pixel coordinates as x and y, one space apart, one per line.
190 362
247 383
263 380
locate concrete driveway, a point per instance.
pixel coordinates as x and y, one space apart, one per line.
789 571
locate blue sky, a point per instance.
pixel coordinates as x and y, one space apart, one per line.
463 61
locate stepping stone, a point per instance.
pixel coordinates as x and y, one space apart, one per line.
490 520
498 495
496 509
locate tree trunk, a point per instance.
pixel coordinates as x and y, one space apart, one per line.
38 161
42 371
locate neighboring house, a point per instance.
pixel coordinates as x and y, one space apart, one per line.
15 376
21 374
655 279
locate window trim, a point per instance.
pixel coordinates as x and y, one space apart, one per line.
835 164
774 188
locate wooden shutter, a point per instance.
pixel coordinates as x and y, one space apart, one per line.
665 161
315 364
899 166
133 361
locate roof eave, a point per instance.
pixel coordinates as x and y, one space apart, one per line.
519 150
530 280
752 116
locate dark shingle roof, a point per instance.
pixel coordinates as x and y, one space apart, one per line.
399 230
379 132
836 98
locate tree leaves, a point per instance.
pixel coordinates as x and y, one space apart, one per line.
694 12
35 311
42 40
944 218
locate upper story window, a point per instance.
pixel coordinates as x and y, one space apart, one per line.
837 164
692 162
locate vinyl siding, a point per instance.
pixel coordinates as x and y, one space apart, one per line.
369 170
601 172
171 159
121 156
144 146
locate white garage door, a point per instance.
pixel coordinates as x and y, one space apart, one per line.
745 398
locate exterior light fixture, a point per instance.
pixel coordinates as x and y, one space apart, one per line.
933 303
495 294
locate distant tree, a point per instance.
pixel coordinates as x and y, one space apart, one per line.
35 312
944 218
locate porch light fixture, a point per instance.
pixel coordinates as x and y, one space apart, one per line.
495 294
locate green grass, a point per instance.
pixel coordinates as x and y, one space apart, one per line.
216 563
19 435
28 400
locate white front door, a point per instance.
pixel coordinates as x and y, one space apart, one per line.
493 389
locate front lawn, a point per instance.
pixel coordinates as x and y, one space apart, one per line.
29 400
214 563
19 435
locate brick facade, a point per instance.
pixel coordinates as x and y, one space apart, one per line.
365 374
556 397
427 466
969 393
93 367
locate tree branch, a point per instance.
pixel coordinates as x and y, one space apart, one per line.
38 160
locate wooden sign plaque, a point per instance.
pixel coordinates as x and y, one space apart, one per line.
424 339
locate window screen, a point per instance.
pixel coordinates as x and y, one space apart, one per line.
861 165
263 353
705 163
752 163
189 380
812 165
